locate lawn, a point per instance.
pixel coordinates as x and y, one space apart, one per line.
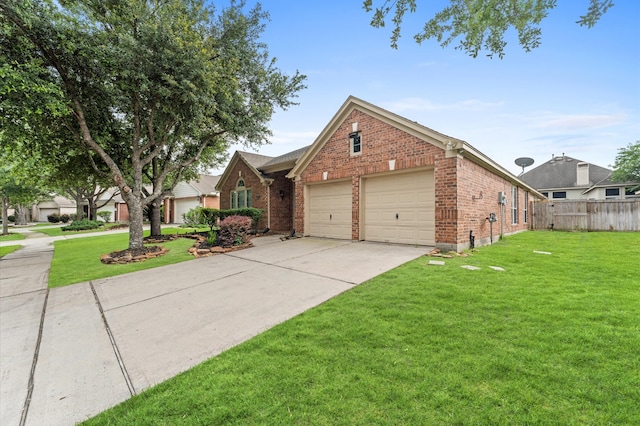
12 236
552 339
5 250
78 260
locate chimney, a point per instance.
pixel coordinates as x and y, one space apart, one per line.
582 174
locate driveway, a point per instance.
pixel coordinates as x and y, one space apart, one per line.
70 353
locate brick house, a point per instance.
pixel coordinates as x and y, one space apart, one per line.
252 180
200 192
376 176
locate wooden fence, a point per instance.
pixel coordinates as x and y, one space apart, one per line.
587 215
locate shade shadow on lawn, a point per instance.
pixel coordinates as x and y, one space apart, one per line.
553 339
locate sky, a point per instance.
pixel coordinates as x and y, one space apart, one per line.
577 94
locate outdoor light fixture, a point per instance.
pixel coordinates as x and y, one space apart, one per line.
281 194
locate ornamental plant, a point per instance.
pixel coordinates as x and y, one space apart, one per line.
233 230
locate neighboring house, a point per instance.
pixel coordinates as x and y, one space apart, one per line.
564 177
185 196
373 175
58 204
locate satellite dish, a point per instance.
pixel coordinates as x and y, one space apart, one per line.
524 162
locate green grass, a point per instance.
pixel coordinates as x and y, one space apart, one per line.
12 237
78 260
8 249
553 339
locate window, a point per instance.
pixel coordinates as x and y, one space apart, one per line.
612 192
546 194
514 204
559 194
355 143
525 209
241 196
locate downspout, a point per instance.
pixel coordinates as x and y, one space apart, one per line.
269 204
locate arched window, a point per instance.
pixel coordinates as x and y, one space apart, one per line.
241 196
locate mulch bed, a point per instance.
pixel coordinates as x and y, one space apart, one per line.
133 255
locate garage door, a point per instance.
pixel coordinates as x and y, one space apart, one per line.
330 210
182 207
400 208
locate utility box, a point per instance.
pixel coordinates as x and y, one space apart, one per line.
502 198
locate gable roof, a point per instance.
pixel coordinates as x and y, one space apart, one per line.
451 145
206 184
561 173
260 165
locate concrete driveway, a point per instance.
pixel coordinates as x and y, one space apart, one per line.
69 353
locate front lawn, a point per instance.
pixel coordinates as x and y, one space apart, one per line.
78 260
12 236
552 339
8 249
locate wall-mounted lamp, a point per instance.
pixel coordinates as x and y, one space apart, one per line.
281 194
479 197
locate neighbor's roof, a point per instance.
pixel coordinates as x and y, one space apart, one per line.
561 172
206 184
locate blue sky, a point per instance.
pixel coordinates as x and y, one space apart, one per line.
578 93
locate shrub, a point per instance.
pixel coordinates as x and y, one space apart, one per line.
233 230
64 218
105 215
11 218
194 217
74 216
54 218
253 213
82 225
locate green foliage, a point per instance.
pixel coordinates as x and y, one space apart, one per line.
627 165
82 225
139 90
478 24
11 218
105 215
233 230
252 212
54 218
212 236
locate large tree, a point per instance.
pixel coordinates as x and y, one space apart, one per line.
627 165
478 24
143 80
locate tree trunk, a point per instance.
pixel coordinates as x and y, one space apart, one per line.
93 210
21 215
155 218
136 220
79 209
5 215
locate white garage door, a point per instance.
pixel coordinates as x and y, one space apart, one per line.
330 210
400 208
183 206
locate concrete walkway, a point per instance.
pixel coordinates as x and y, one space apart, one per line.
66 354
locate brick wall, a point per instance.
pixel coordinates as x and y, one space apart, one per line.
251 181
281 207
457 180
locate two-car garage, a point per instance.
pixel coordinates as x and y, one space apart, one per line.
394 208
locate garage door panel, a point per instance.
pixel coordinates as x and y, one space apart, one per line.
330 210
410 196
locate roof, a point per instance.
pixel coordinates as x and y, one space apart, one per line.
261 165
205 184
450 145
561 172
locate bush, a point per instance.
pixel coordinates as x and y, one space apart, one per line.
105 215
54 218
253 213
82 225
233 230
194 217
64 218
74 216
11 218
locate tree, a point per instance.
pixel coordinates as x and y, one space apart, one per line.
479 24
138 80
627 165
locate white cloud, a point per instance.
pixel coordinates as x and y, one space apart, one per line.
573 122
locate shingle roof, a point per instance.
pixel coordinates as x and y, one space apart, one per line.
255 160
561 172
206 184
290 156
